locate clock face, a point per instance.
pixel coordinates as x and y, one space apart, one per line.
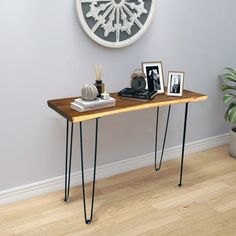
138 83
115 23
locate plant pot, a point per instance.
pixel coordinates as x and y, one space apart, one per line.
232 142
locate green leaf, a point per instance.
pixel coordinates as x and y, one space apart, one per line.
232 105
231 70
228 74
226 115
226 87
229 77
228 97
231 116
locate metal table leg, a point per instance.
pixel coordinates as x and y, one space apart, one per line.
164 141
88 220
68 167
183 144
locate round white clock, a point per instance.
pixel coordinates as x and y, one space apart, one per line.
115 23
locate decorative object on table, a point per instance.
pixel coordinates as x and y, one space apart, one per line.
98 83
229 80
138 80
175 83
131 94
115 23
82 105
154 74
89 92
138 90
105 96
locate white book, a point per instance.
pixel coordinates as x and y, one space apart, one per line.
94 103
82 109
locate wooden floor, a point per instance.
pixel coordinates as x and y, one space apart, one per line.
140 202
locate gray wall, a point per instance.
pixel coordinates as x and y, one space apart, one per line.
44 54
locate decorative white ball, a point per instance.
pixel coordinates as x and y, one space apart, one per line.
89 92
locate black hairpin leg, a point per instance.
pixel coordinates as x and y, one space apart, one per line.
88 220
68 167
183 144
164 141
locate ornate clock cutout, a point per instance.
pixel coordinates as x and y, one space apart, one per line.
115 23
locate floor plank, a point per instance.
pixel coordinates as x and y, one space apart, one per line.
141 202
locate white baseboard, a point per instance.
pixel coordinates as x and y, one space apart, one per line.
55 184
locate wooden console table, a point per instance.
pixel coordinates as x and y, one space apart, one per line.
62 106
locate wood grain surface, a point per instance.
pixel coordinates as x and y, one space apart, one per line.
139 203
62 106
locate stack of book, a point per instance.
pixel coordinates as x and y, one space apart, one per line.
82 105
144 95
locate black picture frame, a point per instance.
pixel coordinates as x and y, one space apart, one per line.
155 78
175 83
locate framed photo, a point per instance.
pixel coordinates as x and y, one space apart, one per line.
175 83
154 74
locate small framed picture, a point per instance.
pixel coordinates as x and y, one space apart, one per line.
175 83
154 74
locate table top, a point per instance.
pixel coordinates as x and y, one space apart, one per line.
62 106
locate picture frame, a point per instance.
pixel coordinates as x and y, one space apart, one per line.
175 83
155 77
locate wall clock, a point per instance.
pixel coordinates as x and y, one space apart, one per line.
115 23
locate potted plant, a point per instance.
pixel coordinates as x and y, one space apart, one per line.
229 85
